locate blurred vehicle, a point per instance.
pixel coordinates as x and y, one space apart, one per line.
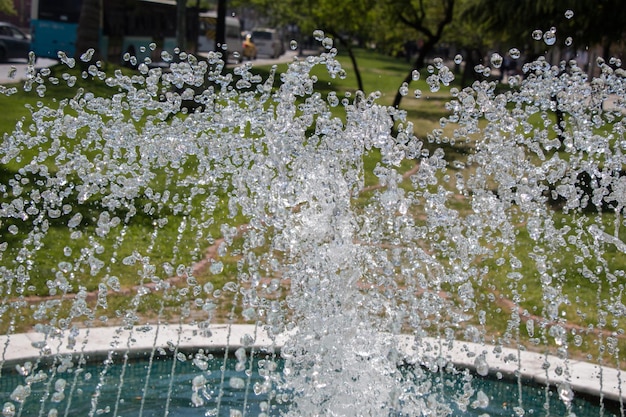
207 34
13 42
268 42
127 26
249 48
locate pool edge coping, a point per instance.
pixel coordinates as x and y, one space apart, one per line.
583 377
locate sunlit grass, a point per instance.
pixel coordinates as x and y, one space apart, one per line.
165 239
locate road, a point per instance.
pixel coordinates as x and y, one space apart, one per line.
18 67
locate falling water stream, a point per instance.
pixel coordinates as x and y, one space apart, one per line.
195 196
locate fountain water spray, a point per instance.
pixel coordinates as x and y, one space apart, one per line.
370 276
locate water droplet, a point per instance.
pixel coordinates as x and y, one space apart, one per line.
327 43
240 354
12 72
549 37
433 83
417 93
75 220
166 56
565 392
57 397
481 365
196 399
201 364
404 89
198 382
514 53
217 267
568 41
70 62
25 369
142 49
86 57
20 393
332 99
482 400
318 35
152 46
496 60
537 34
578 340
569 14
293 45
8 409
60 385
458 58
114 283
237 383
415 75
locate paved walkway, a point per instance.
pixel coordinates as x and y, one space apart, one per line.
583 377
18 67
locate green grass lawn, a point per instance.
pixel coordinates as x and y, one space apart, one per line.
169 233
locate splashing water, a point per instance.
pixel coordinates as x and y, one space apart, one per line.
357 269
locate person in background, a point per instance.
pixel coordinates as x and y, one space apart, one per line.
249 48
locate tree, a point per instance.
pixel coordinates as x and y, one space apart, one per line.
220 27
7 7
345 21
588 23
88 32
428 19
181 26
471 39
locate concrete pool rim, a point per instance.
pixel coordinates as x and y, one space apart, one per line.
583 377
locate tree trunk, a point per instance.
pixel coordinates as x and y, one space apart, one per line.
355 66
426 49
348 44
181 24
432 37
88 32
220 28
472 59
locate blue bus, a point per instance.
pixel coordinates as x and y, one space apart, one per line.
126 26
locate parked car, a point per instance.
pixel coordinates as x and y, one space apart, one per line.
268 42
13 42
206 37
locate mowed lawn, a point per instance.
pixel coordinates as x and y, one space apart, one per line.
382 76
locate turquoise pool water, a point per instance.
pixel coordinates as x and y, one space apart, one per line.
172 393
